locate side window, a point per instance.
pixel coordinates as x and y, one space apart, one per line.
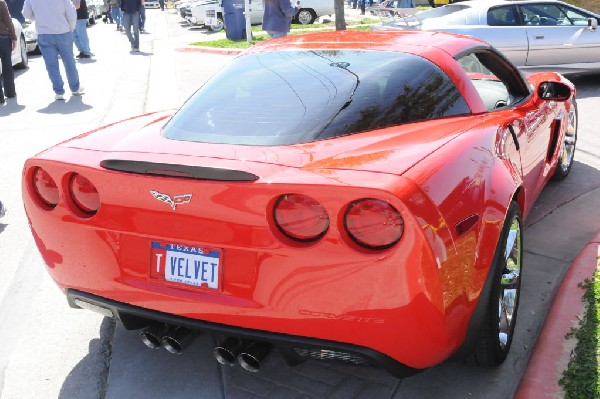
542 15
574 17
502 16
492 90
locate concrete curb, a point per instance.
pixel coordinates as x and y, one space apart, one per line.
552 351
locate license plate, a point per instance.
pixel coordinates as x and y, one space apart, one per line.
187 265
211 13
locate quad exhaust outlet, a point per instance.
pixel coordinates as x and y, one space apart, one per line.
247 353
173 338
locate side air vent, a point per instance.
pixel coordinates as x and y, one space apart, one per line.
180 171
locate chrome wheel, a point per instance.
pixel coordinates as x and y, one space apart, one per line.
509 283
502 305
306 16
568 148
218 27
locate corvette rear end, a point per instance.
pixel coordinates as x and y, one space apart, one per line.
371 214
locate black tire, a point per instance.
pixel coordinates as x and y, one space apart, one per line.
24 57
305 16
219 27
567 149
498 327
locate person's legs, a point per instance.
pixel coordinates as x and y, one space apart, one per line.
49 50
8 77
128 21
65 49
142 19
81 38
136 31
276 35
116 15
77 35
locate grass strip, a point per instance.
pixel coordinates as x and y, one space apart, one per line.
242 44
581 379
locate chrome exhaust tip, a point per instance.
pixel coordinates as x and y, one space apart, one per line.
177 339
152 336
227 352
252 355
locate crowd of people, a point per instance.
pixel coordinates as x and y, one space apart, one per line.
60 25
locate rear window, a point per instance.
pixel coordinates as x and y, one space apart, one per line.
291 97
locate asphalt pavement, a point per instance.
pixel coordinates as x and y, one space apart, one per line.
58 352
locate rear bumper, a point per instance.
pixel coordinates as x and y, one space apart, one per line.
294 348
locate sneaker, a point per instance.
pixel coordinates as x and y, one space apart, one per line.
59 97
82 55
136 50
78 92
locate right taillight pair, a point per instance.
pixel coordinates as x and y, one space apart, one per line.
371 223
83 193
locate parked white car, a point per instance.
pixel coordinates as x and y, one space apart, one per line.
310 10
151 4
19 56
196 13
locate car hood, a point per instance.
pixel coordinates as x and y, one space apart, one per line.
391 150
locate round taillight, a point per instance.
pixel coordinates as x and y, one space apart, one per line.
373 223
301 217
45 188
84 194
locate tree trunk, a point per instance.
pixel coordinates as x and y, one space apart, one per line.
340 21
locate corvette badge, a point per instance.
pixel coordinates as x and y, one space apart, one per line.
173 202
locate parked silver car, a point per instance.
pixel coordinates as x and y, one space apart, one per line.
533 34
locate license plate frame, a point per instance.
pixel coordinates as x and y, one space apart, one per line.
187 266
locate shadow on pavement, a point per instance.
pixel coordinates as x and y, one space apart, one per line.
73 105
88 377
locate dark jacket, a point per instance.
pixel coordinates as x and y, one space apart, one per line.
6 23
82 11
131 6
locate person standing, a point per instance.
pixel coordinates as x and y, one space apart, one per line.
80 36
54 22
8 42
131 22
277 17
161 3
115 11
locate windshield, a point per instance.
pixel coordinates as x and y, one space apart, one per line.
290 97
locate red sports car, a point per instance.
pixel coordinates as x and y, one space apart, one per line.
344 196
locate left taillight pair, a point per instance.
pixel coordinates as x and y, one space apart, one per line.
82 192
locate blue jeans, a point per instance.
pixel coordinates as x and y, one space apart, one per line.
117 16
51 47
132 21
80 37
276 35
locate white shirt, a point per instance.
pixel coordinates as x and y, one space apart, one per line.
51 17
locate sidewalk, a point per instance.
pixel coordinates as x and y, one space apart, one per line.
552 351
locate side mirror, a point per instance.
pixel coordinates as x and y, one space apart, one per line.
592 24
554 91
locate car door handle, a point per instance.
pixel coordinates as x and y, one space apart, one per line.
538 37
